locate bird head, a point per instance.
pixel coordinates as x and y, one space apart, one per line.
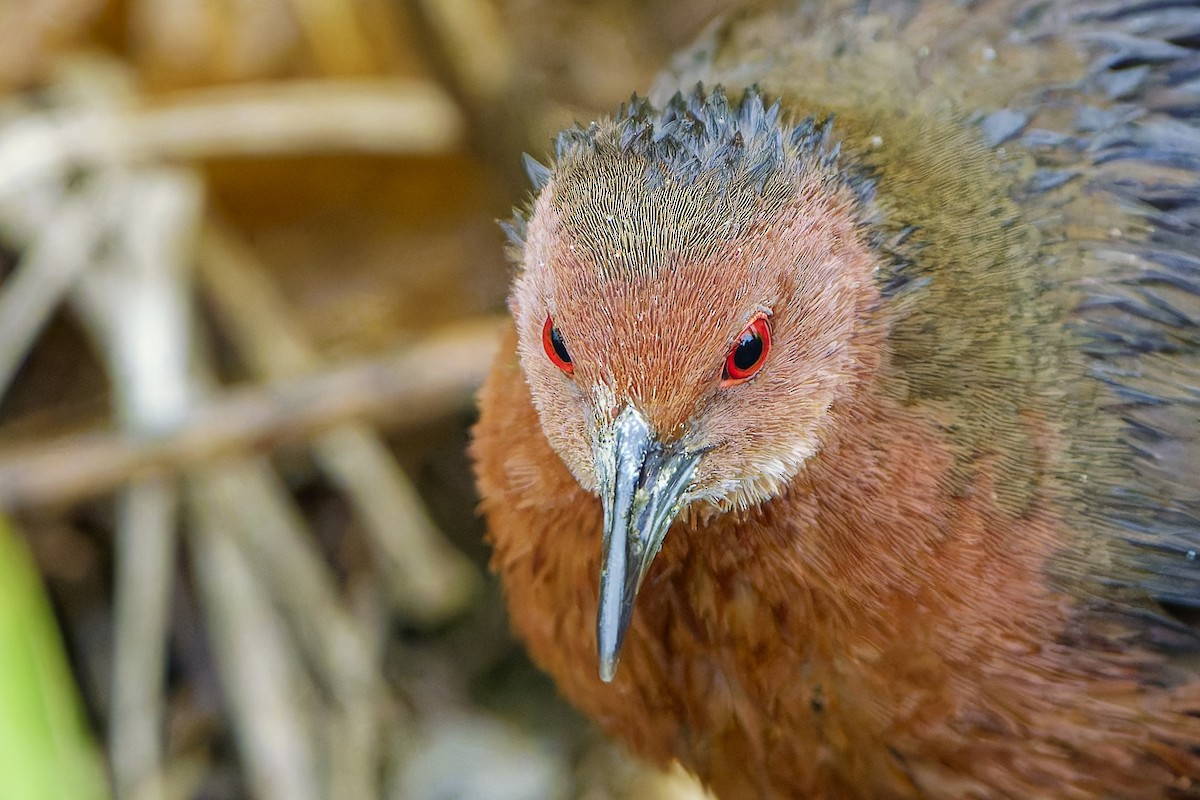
692 282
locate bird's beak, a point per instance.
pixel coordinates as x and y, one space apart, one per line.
641 485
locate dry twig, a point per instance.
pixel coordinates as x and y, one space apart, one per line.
136 303
385 116
144 569
431 579
49 268
335 35
436 376
472 37
269 697
257 511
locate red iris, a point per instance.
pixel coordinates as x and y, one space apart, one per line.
556 349
749 352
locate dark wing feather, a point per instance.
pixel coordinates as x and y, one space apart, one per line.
1136 139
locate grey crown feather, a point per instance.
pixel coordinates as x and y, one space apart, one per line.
696 134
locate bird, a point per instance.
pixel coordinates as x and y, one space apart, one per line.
845 438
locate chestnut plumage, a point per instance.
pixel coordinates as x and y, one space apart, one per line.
846 441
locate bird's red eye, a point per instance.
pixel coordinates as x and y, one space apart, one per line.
555 348
748 353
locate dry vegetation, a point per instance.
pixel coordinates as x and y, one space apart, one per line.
251 278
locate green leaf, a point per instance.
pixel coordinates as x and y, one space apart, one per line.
46 752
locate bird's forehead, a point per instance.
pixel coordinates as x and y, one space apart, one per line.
630 258
625 216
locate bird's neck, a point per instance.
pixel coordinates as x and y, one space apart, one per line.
888 516
868 598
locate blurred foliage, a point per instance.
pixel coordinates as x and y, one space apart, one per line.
350 158
45 750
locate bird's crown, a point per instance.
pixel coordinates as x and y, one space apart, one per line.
701 133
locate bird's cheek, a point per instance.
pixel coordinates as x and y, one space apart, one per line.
574 445
748 454
710 475
564 419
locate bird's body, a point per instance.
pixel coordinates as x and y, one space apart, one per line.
935 523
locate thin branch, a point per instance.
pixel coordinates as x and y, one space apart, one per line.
424 381
29 296
335 34
146 546
431 580
467 39
384 116
135 300
472 36
258 511
260 671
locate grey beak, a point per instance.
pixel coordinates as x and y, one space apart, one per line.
641 485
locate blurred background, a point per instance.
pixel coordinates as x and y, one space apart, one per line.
251 277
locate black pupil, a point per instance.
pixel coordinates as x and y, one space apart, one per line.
748 351
559 348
